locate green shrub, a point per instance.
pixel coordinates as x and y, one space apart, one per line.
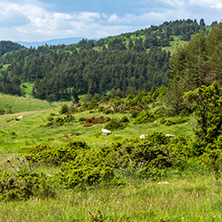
162 121
101 108
55 156
81 166
64 109
74 174
68 118
178 120
108 111
50 118
124 119
134 113
10 120
12 133
144 117
24 183
150 157
2 111
90 167
59 120
114 124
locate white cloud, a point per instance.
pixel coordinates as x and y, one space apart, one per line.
174 3
30 21
113 18
217 4
87 16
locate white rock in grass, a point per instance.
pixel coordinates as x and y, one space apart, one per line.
170 135
106 132
143 136
165 182
20 117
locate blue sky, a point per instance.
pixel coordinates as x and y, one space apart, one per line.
40 20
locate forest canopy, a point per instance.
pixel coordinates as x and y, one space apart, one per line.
195 64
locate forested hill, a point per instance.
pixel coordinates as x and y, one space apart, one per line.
126 63
164 36
8 46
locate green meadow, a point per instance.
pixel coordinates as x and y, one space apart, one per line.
16 104
188 195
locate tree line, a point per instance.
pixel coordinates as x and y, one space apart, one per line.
195 64
129 63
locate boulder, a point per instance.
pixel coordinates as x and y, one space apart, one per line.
106 132
143 136
170 135
165 182
20 117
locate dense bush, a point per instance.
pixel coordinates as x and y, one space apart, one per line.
24 183
174 121
55 156
115 124
81 166
144 117
124 119
149 157
2 111
64 109
73 174
59 120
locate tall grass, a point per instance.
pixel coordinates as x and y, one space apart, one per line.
183 199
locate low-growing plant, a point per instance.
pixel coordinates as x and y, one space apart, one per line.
174 121
50 118
101 108
150 157
24 182
59 120
10 120
98 120
55 156
64 109
124 119
2 111
144 117
114 124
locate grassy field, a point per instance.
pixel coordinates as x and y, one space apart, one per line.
185 198
27 88
189 195
19 136
17 104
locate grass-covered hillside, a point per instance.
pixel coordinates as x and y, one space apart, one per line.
19 136
15 104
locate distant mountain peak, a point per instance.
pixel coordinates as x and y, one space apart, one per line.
65 41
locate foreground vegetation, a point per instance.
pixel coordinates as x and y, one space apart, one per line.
188 197
60 178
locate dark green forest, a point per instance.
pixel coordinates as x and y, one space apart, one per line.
195 64
127 63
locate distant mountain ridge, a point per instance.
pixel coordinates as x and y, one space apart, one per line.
65 41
